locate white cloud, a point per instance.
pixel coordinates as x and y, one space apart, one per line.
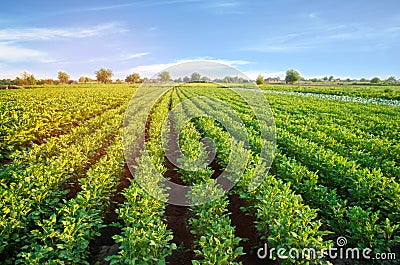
223 4
313 15
31 34
13 53
10 72
134 55
143 3
152 69
283 43
120 58
14 47
278 48
224 7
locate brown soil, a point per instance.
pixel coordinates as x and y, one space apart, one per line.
176 218
104 245
245 228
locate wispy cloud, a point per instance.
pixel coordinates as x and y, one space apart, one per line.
14 42
107 7
313 15
325 34
134 55
13 53
224 4
224 7
278 48
120 58
152 69
290 42
135 3
31 34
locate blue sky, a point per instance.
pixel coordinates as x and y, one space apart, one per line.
341 38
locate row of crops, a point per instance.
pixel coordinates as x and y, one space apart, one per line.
335 173
363 91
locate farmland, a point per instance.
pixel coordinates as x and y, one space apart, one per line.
364 91
68 197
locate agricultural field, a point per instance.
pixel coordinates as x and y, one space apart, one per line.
68 195
364 91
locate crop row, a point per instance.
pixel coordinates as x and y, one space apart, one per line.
366 91
28 116
64 237
145 238
369 120
35 190
214 236
274 204
366 227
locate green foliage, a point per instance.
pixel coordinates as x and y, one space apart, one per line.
364 91
260 80
132 78
375 80
390 79
293 76
104 75
145 238
63 77
195 77
164 76
336 169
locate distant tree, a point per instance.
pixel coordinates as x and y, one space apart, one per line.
292 76
103 75
330 78
18 81
27 79
195 77
178 80
390 79
205 79
260 80
32 80
25 76
84 79
133 78
186 79
142 80
348 80
375 80
164 76
363 79
63 77
46 82
228 79
325 78
314 80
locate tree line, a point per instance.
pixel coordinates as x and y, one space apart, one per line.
104 75
293 76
